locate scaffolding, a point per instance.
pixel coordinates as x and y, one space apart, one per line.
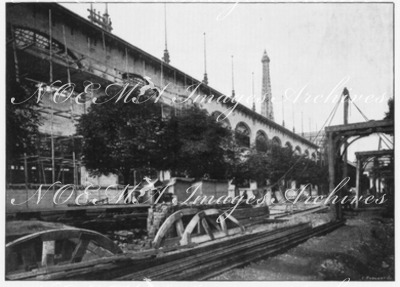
58 155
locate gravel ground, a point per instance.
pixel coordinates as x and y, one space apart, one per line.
362 250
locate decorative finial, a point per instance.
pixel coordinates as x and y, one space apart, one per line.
233 81
104 21
252 89
283 113
165 58
294 130
205 80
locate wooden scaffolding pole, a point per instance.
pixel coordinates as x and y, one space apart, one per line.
358 175
345 121
53 165
75 176
14 45
50 47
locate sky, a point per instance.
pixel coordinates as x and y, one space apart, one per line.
316 49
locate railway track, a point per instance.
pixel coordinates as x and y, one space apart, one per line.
201 262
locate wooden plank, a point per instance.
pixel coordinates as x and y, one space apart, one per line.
356 127
190 227
374 153
80 250
113 267
165 227
214 253
48 252
179 227
322 208
214 223
207 228
196 220
249 212
61 234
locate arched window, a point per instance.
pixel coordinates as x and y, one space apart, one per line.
242 135
314 156
276 141
220 117
297 150
261 141
25 37
133 79
289 146
307 153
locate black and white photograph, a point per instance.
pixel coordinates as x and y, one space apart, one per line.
200 141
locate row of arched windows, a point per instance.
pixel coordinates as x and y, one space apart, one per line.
242 136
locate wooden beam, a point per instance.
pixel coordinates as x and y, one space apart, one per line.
48 252
80 250
207 228
374 153
359 127
331 161
179 228
358 175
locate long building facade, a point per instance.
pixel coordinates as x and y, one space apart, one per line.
49 43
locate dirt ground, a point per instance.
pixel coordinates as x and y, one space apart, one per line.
362 250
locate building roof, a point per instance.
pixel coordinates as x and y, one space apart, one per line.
240 107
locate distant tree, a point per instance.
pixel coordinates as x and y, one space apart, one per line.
278 164
308 171
198 145
256 167
22 119
389 115
120 137
259 166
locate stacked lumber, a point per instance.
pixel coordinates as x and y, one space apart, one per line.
198 263
252 216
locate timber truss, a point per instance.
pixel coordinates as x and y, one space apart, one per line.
338 137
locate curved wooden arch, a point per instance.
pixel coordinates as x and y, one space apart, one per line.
201 217
350 143
174 220
82 238
67 233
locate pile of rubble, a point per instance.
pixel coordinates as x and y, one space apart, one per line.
130 240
